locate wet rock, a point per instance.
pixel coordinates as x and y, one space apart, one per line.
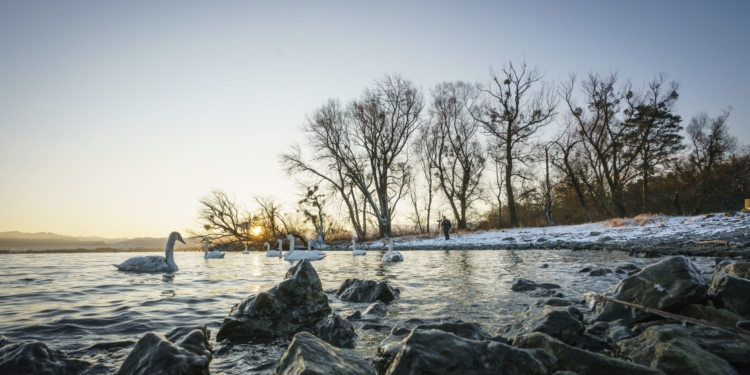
711 314
584 270
377 309
668 285
309 355
577 360
741 270
671 350
546 293
224 347
600 272
354 316
594 233
619 330
604 239
555 317
731 293
36 358
336 331
375 327
541 239
296 302
545 265
182 351
523 285
628 267
745 324
432 351
356 290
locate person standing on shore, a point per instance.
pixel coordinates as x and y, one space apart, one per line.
446 225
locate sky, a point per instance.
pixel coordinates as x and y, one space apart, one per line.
116 117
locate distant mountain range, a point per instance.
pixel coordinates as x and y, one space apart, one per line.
51 241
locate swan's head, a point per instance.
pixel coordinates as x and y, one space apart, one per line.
176 236
206 239
279 241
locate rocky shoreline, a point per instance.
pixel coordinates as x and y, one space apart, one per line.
553 335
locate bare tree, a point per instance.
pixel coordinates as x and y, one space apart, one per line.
367 141
221 217
517 105
566 161
608 139
425 152
459 159
710 139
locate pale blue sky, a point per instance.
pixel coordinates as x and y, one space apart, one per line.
116 117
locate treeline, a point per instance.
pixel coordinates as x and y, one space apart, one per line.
395 159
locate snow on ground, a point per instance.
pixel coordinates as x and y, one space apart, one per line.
652 228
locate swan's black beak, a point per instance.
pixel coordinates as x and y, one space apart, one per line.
180 239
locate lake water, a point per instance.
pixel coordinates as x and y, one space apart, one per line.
71 301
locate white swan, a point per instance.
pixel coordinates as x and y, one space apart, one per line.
216 254
392 256
310 250
246 250
299 255
354 248
273 253
154 263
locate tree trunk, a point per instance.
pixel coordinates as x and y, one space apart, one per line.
548 198
645 191
509 190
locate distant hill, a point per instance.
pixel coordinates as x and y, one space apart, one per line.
50 241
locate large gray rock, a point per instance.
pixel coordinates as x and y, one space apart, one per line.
433 352
356 290
729 346
393 343
668 285
577 360
670 349
731 293
308 355
336 331
554 316
36 358
184 351
296 302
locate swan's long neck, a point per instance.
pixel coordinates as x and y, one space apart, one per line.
205 248
354 245
169 253
390 245
268 246
308 246
291 243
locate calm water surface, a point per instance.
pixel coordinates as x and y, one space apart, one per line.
71 301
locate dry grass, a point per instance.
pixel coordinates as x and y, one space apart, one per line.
617 222
644 219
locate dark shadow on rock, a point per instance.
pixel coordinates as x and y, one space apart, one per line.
185 350
309 355
356 290
36 358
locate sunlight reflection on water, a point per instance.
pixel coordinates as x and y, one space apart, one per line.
71 301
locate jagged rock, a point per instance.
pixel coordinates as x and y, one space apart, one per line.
309 355
523 285
377 309
668 285
731 293
628 267
711 314
600 272
182 351
555 317
577 360
619 330
36 358
393 343
741 270
296 302
584 270
671 350
433 351
357 315
336 331
745 324
356 290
